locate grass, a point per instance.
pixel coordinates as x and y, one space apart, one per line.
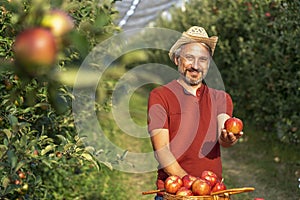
268 165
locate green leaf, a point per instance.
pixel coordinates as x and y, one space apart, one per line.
87 156
48 164
13 121
7 133
89 149
80 142
23 141
38 180
47 149
68 146
42 105
3 150
62 138
90 158
101 20
6 142
12 158
24 125
80 42
19 165
5 182
107 164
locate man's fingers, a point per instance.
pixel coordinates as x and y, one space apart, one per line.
240 134
231 137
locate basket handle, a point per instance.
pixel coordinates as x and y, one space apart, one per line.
234 191
153 191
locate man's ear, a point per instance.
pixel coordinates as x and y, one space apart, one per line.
176 61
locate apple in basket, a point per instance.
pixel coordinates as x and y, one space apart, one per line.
201 187
183 191
210 176
188 180
173 183
219 186
233 125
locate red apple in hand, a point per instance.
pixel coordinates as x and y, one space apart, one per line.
188 180
219 186
183 191
210 176
173 183
233 125
201 187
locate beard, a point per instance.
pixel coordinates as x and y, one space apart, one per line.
190 81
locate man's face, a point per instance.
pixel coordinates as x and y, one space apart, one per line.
193 63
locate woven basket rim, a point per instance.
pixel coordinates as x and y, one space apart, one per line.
225 194
168 196
192 196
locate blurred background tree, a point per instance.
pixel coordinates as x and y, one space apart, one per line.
257 55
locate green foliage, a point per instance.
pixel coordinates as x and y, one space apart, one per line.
36 141
41 155
257 55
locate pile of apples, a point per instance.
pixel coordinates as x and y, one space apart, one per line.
190 185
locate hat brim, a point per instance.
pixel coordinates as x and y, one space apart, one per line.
185 39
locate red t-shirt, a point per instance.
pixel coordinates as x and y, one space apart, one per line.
192 124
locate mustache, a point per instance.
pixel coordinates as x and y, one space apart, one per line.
193 70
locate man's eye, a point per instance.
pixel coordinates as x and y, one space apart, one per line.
189 58
203 59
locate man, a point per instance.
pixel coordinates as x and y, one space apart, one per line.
186 117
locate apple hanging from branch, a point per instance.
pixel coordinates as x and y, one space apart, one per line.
35 51
58 21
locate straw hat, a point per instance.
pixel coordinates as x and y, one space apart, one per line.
194 34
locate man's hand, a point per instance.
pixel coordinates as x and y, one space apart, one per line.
228 139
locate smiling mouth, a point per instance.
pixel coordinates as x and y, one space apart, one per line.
193 70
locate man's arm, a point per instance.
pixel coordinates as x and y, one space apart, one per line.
226 139
160 143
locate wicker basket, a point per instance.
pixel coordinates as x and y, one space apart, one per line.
168 196
221 195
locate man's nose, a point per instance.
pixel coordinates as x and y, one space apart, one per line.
197 64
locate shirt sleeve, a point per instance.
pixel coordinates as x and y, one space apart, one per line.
225 104
157 114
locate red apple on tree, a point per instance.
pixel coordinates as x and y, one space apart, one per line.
173 183
35 51
219 186
21 175
209 176
233 125
201 187
188 180
58 21
183 191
